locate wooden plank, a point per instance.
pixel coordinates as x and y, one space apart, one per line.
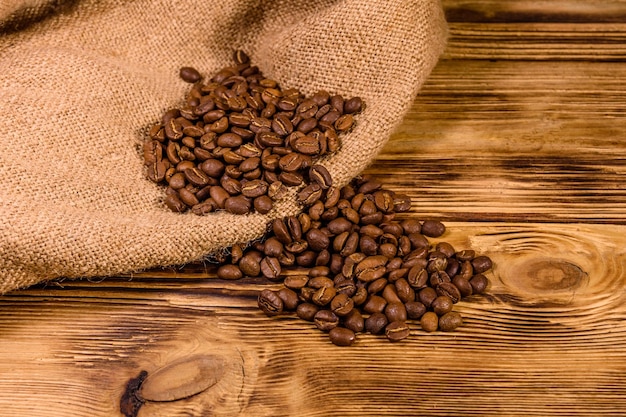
548 340
537 41
510 141
521 11
536 29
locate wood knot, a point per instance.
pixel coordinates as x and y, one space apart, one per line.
546 280
182 379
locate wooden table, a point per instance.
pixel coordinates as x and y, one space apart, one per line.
517 143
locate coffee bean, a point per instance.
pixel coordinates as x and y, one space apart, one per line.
309 194
289 298
450 321
175 204
429 322
270 268
441 305
449 290
396 311
479 283
427 295
433 228
254 188
371 268
307 311
375 304
270 303
263 204
324 295
481 264
189 74
397 330
342 336
229 271
237 205
341 304
320 175
376 323
463 285
326 320
354 321
353 105
415 310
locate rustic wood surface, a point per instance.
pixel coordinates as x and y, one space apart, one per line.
517 143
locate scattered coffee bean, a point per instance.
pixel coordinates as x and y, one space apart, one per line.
342 336
450 321
189 74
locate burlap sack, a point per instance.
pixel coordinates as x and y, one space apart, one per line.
81 81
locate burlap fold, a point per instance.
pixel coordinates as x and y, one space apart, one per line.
81 81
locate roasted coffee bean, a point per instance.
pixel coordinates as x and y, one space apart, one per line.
237 205
289 298
463 285
395 312
371 268
254 188
309 194
433 228
270 303
426 296
377 286
318 240
481 264
320 175
442 305
479 283
415 310
272 247
187 197
270 268
376 323
296 282
417 277
429 322
320 281
341 304
450 321
326 320
353 105
263 204
397 330
229 271
249 264
374 304
324 295
175 204
307 311
449 290
354 321
342 336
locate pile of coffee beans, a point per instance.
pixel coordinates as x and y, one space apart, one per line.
239 140
349 263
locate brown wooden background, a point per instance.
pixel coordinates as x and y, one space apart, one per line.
517 143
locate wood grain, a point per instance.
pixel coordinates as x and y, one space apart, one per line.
517 142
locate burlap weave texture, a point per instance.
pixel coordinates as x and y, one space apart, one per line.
81 81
